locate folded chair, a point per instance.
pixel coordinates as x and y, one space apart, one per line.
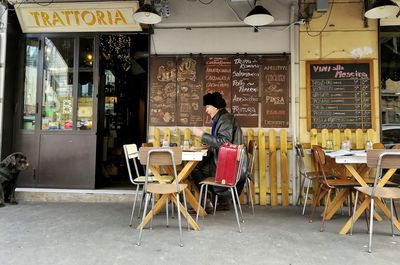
132 154
172 157
306 177
327 183
251 154
379 159
235 197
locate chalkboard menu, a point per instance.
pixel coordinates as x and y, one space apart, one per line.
275 92
340 94
245 90
163 92
218 73
190 91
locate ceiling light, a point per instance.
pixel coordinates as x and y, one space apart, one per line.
382 9
147 14
259 16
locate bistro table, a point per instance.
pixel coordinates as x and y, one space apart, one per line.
192 158
350 160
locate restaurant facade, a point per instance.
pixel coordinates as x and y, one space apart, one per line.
82 79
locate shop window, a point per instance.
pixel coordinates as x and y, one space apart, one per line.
30 84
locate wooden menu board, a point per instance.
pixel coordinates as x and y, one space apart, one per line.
218 73
190 91
275 92
163 91
245 90
340 94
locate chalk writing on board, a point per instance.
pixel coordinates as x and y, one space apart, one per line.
339 94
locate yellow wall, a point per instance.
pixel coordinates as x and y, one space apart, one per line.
343 37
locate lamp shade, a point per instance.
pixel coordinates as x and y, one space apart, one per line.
147 14
381 9
259 16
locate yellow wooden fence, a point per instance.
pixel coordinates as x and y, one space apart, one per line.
272 184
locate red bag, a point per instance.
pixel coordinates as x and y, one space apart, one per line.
227 164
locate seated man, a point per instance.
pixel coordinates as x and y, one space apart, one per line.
225 128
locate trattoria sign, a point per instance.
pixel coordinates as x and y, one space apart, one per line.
78 17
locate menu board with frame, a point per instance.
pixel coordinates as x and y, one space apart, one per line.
340 94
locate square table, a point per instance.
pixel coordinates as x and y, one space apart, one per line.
349 161
192 158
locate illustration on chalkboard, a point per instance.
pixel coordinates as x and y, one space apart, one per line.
187 70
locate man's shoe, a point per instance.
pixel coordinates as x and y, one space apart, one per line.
209 208
224 206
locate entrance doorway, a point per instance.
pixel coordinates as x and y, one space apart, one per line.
122 104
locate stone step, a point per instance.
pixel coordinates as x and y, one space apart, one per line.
74 195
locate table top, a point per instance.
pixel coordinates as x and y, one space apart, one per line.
349 156
193 155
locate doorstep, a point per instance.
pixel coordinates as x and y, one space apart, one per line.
74 195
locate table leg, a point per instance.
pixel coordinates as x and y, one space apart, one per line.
194 203
188 217
336 203
346 228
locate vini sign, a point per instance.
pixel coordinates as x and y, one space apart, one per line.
78 17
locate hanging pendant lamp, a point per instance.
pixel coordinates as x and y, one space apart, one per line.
382 9
259 16
147 14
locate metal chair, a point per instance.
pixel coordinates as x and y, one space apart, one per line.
379 159
327 183
235 197
131 154
172 157
306 177
251 153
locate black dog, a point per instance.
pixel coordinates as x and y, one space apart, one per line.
9 171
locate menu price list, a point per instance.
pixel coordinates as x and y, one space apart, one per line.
340 95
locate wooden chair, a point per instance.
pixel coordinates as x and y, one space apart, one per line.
327 183
235 197
306 177
379 159
153 156
251 154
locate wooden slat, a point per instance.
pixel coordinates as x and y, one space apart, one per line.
284 168
336 139
262 167
167 135
157 137
324 137
372 136
273 176
314 137
187 136
360 142
177 137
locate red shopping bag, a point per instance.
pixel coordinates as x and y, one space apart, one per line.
227 164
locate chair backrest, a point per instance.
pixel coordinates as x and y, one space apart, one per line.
131 152
251 153
300 160
382 159
396 146
378 146
320 161
161 156
241 161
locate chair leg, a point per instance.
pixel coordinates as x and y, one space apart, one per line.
315 202
134 205
186 210
152 211
144 215
172 210
141 202
236 211
215 203
306 196
391 216
179 219
166 210
354 213
250 196
198 207
326 208
238 203
302 183
371 225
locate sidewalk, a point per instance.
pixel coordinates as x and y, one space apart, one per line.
44 233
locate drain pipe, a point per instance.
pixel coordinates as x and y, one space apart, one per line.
3 38
294 98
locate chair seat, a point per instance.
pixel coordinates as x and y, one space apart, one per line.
312 175
342 182
165 188
381 192
141 179
211 181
